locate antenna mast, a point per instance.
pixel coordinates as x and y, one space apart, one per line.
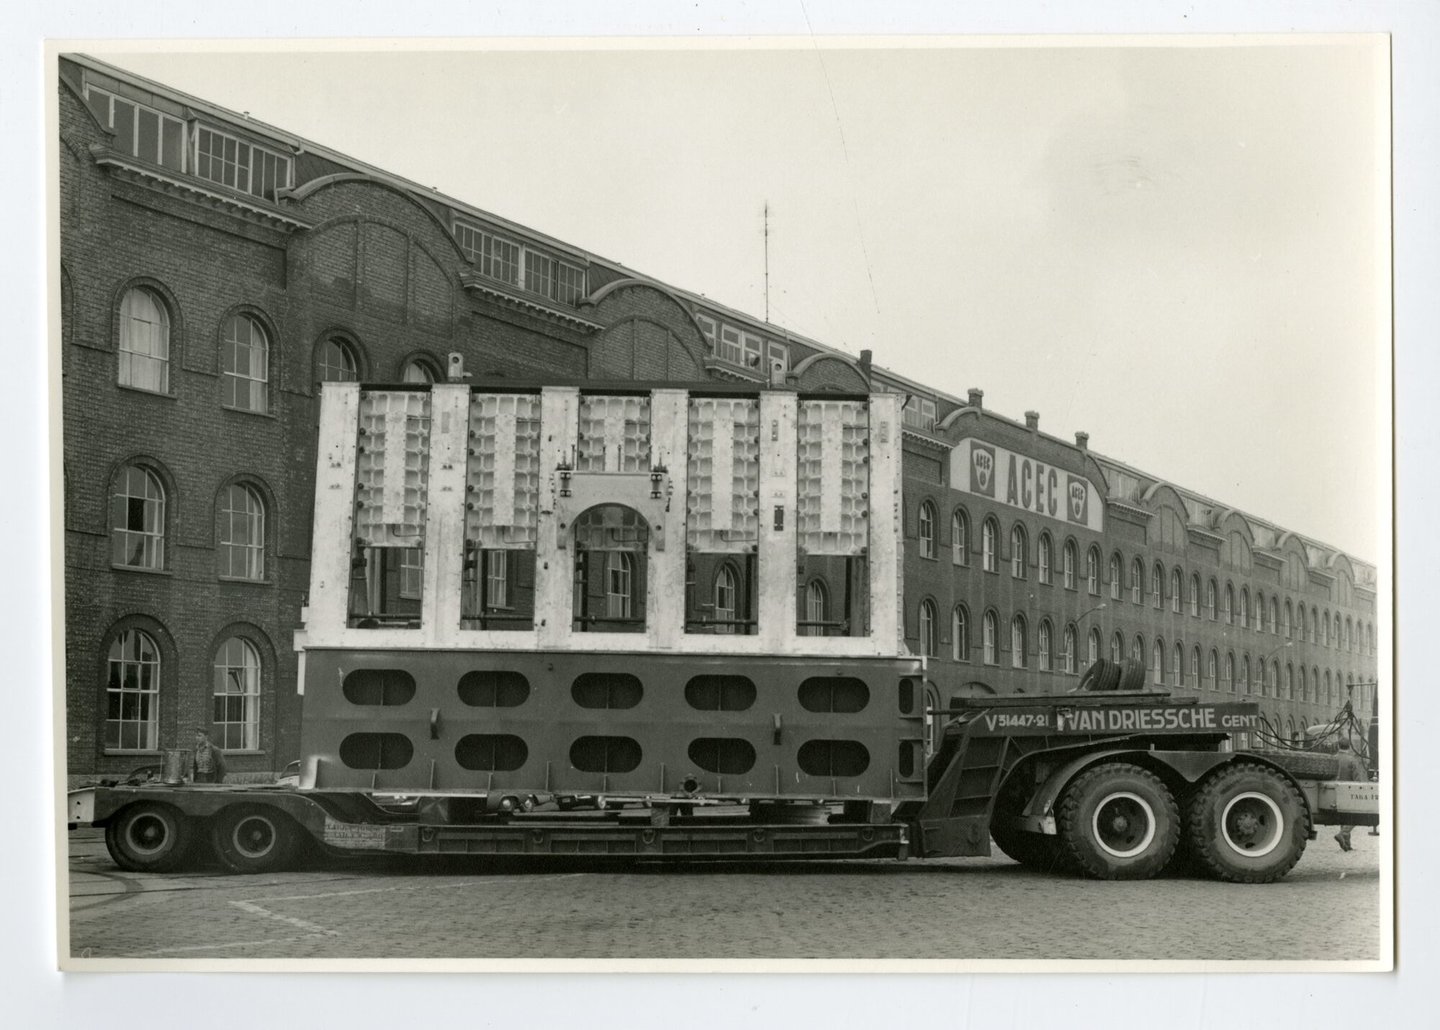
767 261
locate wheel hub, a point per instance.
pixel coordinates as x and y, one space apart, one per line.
1124 824
1252 824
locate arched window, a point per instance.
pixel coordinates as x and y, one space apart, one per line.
928 637
242 533
1287 626
1228 684
1092 571
1275 615
1275 676
1370 637
1069 655
1315 628
1115 576
144 341
1195 667
1117 647
137 519
1304 686
1245 673
1178 666
959 538
1046 556
1068 562
989 556
1329 691
988 630
1177 591
245 365
418 370
927 530
1326 621
1289 687
1137 582
237 696
1304 624
336 362
1017 641
725 592
1042 646
816 605
132 693
1092 647
960 634
1212 668
1261 612
1157 585
1157 660
1019 552
1210 600
1195 595
1229 604
1244 608
1137 648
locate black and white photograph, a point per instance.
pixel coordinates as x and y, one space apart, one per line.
840 503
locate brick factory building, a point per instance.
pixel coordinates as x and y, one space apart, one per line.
213 271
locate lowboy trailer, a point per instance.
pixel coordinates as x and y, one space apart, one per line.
538 591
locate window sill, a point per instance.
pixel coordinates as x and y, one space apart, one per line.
242 752
166 395
250 411
139 753
247 580
141 570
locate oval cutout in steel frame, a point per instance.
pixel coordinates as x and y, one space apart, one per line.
376 751
493 688
387 687
491 752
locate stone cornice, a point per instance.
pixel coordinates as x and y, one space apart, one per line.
924 440
474 282
725 370
251 209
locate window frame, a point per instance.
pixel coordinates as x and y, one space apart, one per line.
1019 552
249 697
251 550
989 545
960 538
960 634
154 511
127 356
150 670
256 387
925 530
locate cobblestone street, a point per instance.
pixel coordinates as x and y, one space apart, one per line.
1327 908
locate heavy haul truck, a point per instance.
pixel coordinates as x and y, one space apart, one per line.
523 592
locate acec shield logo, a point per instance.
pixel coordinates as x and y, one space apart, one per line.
982 470
1079 500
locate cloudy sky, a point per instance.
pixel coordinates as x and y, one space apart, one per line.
1180 250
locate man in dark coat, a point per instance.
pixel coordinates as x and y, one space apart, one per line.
209 759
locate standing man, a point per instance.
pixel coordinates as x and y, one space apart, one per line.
210 760
1349 768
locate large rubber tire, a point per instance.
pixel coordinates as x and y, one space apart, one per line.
1247 824
255 838
1118 822
148 838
